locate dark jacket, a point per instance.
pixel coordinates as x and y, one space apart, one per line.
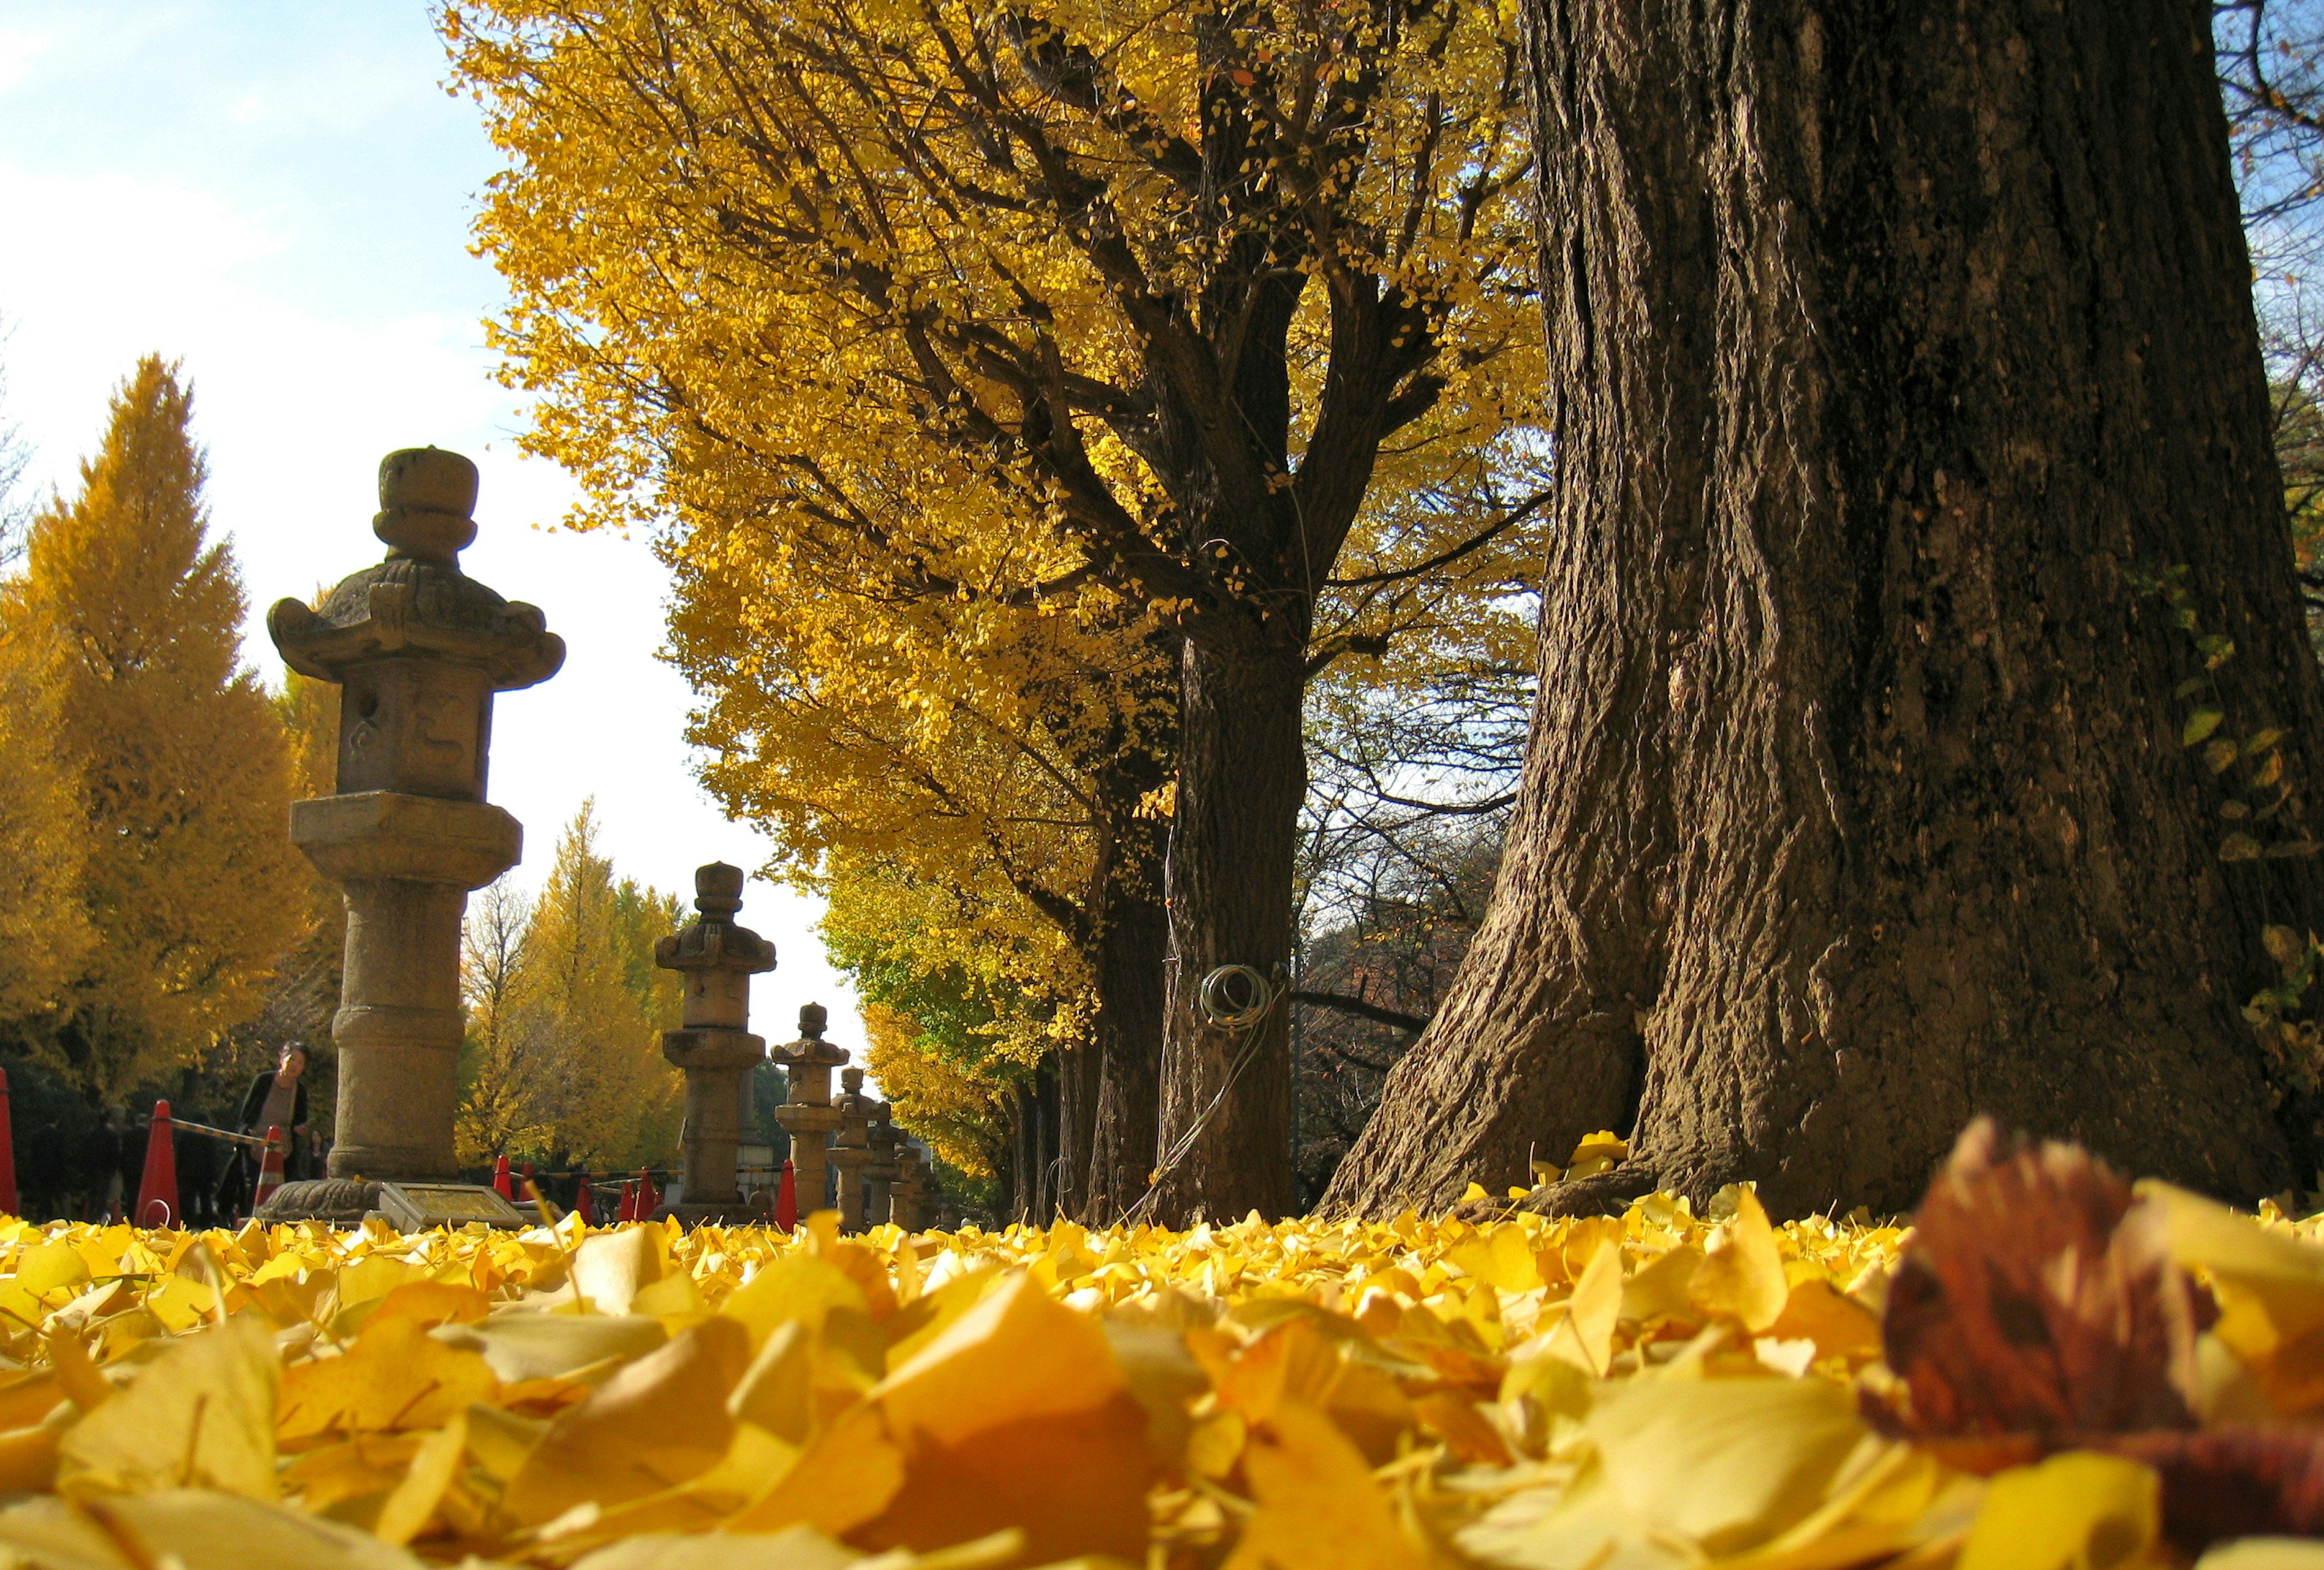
254 1104
254 1107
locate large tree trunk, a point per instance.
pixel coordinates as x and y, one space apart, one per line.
1080 1068
1890 343
1132 947
1242 773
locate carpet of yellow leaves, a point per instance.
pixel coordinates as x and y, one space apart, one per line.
1663 1389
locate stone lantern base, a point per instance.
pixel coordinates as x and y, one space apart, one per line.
341 1201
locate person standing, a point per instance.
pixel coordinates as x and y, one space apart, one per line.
277 1098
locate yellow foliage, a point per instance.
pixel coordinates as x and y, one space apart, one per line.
174 753
944 472
939 1100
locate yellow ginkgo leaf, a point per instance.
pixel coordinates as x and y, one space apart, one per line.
2081 1510
610 1268
655 1424
794 1286
1018 1354
1837 1325
414 1501
518 1347
49 1266
1585 1336
197 1529
1741 1275
1727 1463
1318 1506
200 1415
848 1476
1501 1255
395 1376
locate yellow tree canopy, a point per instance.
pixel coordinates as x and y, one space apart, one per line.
968 292
899 317
177 757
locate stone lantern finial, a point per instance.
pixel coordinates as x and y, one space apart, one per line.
417 649
713 1044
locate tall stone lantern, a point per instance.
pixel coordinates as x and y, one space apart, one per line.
417 649
712 1045
806 1114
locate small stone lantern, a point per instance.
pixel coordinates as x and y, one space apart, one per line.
883 1171
911 1190
850 1148
713 1044
807 1115
417 649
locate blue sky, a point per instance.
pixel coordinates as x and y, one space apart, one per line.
279 196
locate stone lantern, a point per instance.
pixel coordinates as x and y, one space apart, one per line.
850 1148
807 1115
417 649
713 1044
911 1189
882 1170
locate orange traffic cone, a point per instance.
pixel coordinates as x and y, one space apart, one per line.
786 1198
157 1187
649 1196
584 1202
629 1207
501 1179
7 1153
270 1170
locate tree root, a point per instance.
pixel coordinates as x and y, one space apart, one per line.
1604 1194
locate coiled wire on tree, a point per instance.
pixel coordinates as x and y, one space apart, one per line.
1236 998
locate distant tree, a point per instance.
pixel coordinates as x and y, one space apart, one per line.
563 1059
131 617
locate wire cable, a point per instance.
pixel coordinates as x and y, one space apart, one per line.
1237 999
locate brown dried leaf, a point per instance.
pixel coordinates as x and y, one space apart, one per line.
2033 1298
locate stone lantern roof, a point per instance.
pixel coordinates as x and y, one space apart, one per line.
417 602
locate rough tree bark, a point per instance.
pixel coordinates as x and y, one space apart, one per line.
1891 344
1132 944
1242 773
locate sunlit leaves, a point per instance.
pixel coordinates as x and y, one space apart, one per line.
1655 1388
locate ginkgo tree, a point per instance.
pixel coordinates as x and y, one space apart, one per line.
1100 310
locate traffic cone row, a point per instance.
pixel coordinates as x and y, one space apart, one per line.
270 1170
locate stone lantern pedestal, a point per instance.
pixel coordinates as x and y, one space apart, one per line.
807 1115
713 1044
418 650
